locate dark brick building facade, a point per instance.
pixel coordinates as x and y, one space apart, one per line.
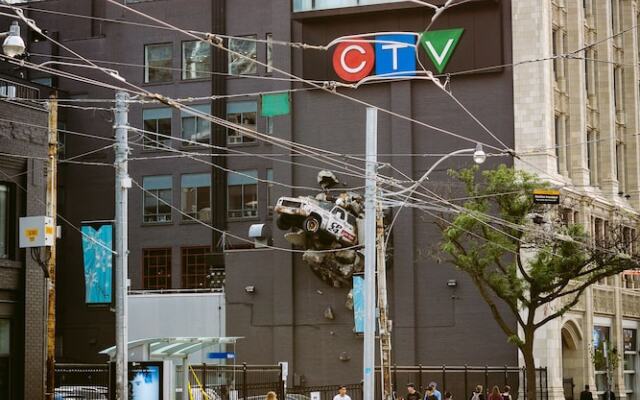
22 283
283 320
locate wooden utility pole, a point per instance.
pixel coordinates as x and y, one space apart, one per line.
384 324
52 193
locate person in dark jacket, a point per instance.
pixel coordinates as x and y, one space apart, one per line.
412 393
586 394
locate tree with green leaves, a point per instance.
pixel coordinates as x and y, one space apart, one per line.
524 255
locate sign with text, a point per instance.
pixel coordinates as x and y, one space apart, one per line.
546 196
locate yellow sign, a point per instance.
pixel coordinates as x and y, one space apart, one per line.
546 196
31 234
546 192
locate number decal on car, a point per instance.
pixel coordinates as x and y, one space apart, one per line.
335 228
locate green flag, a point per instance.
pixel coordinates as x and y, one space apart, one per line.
275 104
440 45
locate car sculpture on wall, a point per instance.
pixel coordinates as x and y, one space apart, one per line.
321 217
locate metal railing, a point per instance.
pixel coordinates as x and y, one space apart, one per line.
461 380
11 89
82 381
241 382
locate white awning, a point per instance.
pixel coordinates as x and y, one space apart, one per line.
175 347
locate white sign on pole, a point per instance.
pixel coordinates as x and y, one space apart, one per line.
315 395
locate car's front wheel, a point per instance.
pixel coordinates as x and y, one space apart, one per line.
311 224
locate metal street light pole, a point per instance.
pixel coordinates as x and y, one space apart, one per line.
368 366
123 183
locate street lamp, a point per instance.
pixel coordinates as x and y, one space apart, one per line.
13 45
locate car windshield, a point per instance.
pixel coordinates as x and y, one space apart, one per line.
292 204
339 212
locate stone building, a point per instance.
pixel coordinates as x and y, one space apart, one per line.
585 140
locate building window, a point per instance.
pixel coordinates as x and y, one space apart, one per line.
241 113
243 65
629 337
195 269
242 194
271 200
196 129
310 5
196 196
156 121
158 59
4 220
157 198
592 157
156 269
601 334
269 53
196 60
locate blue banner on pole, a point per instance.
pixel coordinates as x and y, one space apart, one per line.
358 303
98 263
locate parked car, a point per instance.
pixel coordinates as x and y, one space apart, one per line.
81 393
315 216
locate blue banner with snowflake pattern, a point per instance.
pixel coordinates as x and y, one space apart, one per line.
358 303
97 245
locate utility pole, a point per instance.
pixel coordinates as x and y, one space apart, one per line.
123 183
368 366
384 324
52 193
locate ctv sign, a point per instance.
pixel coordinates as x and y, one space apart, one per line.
393 55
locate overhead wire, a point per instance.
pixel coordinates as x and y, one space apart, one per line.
229 234
61 217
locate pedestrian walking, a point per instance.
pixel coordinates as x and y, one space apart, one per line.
435 391
506 393
477 393
272 396
430 393
495 393
342 393
586 394
412 393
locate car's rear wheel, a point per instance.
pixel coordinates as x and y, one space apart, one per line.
311 224
282 223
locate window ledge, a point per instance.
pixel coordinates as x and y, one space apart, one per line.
195 80
243 219
242 76
148 84
167 223
248 144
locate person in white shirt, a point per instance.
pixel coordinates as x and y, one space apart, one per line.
342 394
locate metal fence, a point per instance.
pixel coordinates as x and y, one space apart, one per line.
235 382
325 392
252 382
82 381
461 380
